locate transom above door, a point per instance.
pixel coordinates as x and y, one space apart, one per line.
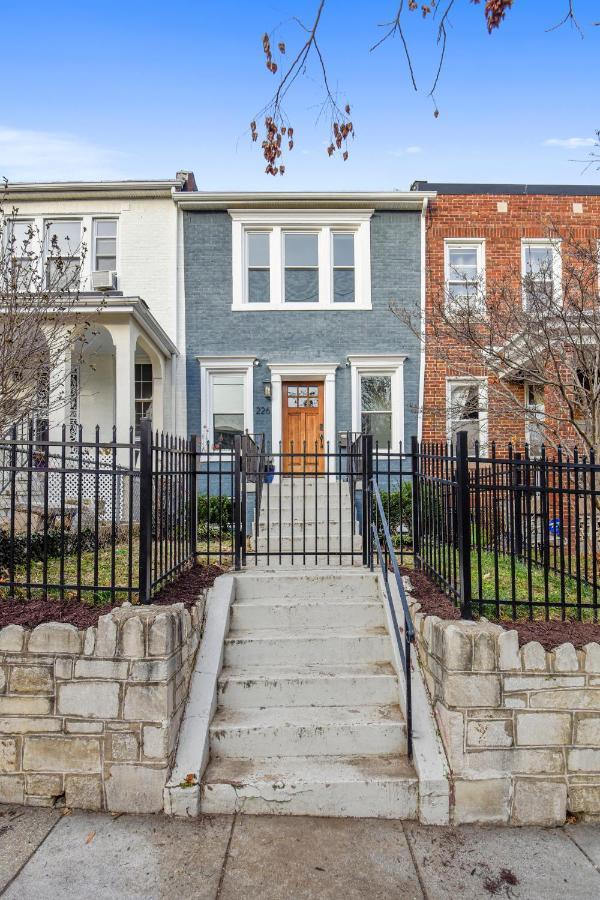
303 426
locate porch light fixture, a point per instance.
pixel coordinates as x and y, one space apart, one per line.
267 389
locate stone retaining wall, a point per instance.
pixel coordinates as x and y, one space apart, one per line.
90 719
521 726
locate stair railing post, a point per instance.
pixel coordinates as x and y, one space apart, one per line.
366 476
416 524
463 522
237 501
145 557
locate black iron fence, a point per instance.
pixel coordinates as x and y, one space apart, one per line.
501 534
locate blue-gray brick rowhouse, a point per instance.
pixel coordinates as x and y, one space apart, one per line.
288 304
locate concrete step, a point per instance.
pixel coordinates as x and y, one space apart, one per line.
319 613
374 786
334 585
348 528
286 686
306 542
272 562
308 731
307 646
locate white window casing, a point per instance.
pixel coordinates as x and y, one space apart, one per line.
393 366
452 277
481 383
325 224
230 365
554 246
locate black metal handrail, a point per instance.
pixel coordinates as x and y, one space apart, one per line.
409 632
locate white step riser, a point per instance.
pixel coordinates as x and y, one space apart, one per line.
273 562
308 651
249 616
357 586
320 529
320 690
299 543
292 740
357 800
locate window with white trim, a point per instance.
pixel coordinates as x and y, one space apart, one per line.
63 253
464 267
534 419
105 245
541 270
378 398
296 260
466 409
376 407
226 385
23 246
143 393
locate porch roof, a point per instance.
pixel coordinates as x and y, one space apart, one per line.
134 307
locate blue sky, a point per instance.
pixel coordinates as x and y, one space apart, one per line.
141 89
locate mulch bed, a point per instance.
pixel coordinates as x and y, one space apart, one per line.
30 613
549 634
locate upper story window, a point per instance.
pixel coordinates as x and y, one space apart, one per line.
258 285
63 254
301 259
105 245
24 248
464 265
541 270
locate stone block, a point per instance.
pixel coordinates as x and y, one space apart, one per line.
83 792
515 701
25 706
113 669
591 661
29 725
539 802
44 785
533 657
430 622
106 637
78 726
584 698
587 729
509 658
584 799
9 755
484 652
31 680
12 639
154 741
61 754
92 699
472 690
124 746
54 637
132 638
134 788
12 789
565 659
89 642
161 637
155 669
3 678
534 761
543 729
147 702
63 668
452 729
457 648
490 733
483 801
584 760
539 682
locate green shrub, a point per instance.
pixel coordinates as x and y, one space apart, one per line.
397 506
54 544
215 514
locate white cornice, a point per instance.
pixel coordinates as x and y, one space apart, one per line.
79 190
230 200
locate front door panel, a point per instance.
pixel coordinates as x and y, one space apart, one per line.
303 423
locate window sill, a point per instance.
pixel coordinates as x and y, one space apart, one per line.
299 307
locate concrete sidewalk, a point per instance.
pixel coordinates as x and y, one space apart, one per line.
44 854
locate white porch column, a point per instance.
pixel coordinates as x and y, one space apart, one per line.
276 412
124 337
59 394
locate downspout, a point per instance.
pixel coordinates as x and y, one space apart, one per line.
422 328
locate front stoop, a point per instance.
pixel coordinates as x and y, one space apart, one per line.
299 713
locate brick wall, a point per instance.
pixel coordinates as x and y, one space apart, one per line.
502 220
90 719
521 727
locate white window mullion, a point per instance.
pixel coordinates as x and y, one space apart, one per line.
325 267
276 249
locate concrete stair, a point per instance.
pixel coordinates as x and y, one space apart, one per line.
307 719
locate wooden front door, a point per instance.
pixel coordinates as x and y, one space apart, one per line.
303 424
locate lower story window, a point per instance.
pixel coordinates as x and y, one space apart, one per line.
143 393
467 410
227 408
534 396
376 407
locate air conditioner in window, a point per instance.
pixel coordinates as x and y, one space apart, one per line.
104 281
